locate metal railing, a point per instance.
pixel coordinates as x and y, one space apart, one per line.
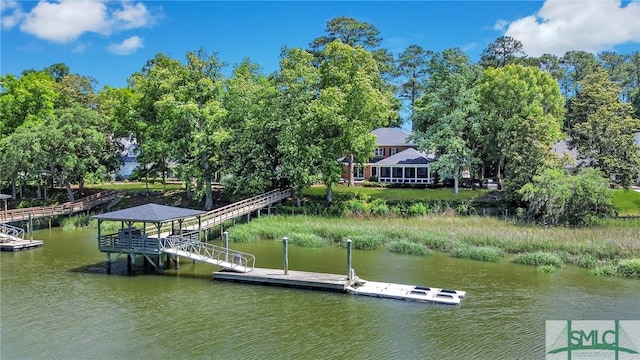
11 231
222 214
85 203
205 252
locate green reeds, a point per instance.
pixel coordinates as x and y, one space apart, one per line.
409 248
482 253
538 258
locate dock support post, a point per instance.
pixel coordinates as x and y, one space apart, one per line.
225 245
30 224
349 272
285 254
108 263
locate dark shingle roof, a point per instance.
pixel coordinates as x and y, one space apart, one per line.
150 213
407 157
392 137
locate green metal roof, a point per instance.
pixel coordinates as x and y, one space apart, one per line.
149 213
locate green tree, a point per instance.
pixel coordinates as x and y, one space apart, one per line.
251 159
523 112
413 70
604 129
447 120
556 198
349 31
300 139
32 95
503 51
350 77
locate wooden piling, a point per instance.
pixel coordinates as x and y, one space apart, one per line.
285 254
349 268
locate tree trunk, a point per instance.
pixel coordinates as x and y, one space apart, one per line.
351 182
499 173
298 201
456 184
208 202
39 191
188 190
329 193
69 191
13 189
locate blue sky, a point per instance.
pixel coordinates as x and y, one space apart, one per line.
110 40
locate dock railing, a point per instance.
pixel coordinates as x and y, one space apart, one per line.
11 231
126 244
189 244
79 205
222 214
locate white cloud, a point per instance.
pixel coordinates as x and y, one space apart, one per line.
66 20
126 47
11 13
500 25
565 25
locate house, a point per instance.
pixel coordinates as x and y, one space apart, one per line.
129 156
396 160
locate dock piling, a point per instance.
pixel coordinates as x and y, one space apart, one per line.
225 245
349 271
285 254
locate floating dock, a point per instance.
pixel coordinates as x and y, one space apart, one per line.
294 279
14 244
340 283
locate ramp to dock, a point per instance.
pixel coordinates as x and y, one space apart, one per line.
190 247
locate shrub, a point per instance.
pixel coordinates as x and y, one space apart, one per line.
409 248
242 234
538 258
482 253
417 209
79 221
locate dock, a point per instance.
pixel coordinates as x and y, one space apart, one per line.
340 283
7 244
294 279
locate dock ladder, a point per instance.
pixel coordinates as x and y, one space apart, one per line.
189 245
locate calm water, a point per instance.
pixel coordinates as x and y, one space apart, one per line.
58 303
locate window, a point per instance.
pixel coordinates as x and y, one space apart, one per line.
409 172
393 151
397 172
358 172
422 173
379 152
374 171
385 172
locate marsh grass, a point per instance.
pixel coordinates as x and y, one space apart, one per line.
482 253
407 247
592 247
538 258
308 240
546 269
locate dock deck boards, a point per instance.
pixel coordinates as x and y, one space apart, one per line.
298 279
18 244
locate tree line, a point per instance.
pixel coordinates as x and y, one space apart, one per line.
496 118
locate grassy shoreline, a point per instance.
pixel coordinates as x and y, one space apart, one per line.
600 248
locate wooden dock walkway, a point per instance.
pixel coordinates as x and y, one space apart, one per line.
67 208
294 279
18 244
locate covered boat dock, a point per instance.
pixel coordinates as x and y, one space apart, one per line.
141 233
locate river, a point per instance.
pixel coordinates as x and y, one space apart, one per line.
57 302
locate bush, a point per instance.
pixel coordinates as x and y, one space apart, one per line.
538 258
79 221
482 253
417 209
409 248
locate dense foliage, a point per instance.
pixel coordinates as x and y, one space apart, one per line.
498 118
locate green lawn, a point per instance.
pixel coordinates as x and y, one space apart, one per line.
135 186
398 194
627 202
